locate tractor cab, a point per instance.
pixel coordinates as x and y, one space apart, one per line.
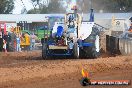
54 29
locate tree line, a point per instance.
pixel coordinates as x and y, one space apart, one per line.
56 6
115 6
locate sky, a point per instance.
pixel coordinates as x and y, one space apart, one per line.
19 6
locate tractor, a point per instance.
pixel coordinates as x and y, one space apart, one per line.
71 36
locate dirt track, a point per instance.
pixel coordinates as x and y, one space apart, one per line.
28 70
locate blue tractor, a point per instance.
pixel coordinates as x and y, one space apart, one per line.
70 36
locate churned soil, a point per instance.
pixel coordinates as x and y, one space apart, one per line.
29 70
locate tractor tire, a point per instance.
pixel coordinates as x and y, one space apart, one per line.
76 51
90 52
44 51
94 53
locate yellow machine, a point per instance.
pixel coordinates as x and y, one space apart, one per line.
24 37
25 40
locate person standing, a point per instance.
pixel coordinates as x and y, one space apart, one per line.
32 43
4 45
13 39
7 39
1 42
18 43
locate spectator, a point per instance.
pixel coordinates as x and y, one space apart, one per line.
1 42
4 45
18 43
7 39
32 43
13 39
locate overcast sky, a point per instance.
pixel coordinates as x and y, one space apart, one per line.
19 6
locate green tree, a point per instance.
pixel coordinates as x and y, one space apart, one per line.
54 6
108 5
33 11
6 6
44 9
84 6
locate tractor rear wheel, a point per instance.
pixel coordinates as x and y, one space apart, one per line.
94 53
90 52
76 51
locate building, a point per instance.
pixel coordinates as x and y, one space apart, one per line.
103 19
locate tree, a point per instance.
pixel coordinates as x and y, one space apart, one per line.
44 9
35 3
32 11
54 6
6 6
85 5
105 5
125 5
